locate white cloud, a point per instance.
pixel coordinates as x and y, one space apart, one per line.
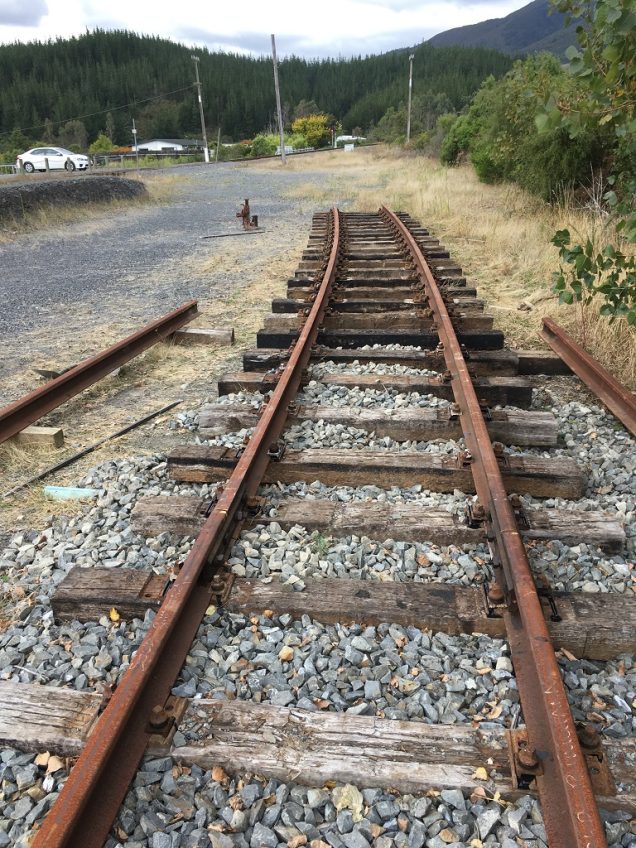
18 13
328 28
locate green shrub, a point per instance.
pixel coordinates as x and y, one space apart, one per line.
264 145
458 139
500 135
234 151
486 165
102 144
420 142
297 141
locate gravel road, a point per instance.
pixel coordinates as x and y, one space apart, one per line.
65 283
113 263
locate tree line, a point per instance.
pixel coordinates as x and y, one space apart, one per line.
71 90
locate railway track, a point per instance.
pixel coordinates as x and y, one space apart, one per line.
375 289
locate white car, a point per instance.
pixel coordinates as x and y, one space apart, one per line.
58 158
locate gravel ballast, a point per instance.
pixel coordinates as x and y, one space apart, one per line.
173 807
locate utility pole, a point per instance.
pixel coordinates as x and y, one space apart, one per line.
408 114
218 143
278 109
206 152
134 132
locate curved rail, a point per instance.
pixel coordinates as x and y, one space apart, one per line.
85 809
618 399
553 755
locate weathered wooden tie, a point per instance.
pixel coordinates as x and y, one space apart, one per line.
509 426
481 362
356 304
426 339
93 592
314 747
376 320
592 626
317 747
39 435
221 337
544 478
46 718
302 287
379 520
496 390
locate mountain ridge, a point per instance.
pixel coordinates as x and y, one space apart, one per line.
530 29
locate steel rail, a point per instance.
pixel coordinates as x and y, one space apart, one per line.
553 754
87 805
617 398
17 415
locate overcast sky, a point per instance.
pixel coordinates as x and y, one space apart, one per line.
310 29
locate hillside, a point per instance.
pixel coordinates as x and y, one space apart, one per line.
528 30
107 78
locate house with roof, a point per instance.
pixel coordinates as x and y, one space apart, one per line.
169 145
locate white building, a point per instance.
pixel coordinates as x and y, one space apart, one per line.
349 139
169 145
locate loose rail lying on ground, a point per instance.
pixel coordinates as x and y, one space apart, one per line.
24 411
616 398
549 755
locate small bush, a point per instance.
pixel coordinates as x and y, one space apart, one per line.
234 151
264 145
500 134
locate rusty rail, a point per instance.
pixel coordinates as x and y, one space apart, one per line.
83 813
618 399
24 411
553 755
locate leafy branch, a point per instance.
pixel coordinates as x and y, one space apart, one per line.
587 273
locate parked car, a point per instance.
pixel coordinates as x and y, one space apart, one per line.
58 157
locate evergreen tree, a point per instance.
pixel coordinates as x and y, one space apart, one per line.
121 74
110 126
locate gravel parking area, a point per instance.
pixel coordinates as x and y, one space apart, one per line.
68 288
129 264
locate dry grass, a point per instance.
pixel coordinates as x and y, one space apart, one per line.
160 188
499 234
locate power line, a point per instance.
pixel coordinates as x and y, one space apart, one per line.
102 111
